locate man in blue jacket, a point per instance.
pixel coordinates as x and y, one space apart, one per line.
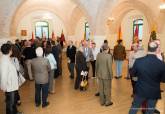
150 72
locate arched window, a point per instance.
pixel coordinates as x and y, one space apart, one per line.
42 29
138 27
87 31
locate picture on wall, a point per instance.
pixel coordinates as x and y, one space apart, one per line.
23 32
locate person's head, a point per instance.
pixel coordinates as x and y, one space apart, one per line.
119 41
134 47
44 43
152 47
106 48
39 52
15 52
105 41
6 49
70 42
48 50
80 49
17 41
28 43
93 44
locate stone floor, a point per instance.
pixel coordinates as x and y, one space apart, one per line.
66 100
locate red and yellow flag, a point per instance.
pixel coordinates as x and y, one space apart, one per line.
136 35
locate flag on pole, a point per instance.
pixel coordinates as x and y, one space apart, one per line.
53 36
119 34
136 35
62 37
153 33
32 37
84 36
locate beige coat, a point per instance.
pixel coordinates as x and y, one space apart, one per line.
104 66
40 69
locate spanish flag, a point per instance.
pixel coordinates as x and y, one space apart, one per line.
136 35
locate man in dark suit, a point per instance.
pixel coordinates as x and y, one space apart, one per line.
150 72
71 52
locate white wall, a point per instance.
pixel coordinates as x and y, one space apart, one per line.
80 29
28 23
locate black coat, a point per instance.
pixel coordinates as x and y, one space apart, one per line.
150 72
71 52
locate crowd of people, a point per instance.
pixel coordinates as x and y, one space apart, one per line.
41 60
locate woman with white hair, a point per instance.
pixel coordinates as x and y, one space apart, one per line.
40 69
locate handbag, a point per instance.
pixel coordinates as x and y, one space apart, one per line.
21 79
84 81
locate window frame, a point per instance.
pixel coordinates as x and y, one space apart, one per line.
137 24
42 26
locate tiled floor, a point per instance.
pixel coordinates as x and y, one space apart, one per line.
66 100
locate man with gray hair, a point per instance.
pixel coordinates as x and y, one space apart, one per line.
104 74
150 71
40 69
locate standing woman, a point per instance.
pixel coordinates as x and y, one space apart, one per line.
15 57
53 65
80 66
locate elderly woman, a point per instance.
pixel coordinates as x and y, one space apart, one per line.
40 69
80 66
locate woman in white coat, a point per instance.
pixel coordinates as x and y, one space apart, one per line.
53 65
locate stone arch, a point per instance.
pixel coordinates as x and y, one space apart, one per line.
20 14
123 8
24 9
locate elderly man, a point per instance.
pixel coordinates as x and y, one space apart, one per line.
150 71
40 69
104 74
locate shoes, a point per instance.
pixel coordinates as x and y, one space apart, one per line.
117 77
19 112
51 92
156 111
109 104
37 105
19 103
97 94
93 77
127 78
45 105
71 77
102 104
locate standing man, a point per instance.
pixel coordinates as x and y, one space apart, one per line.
95 52
71 52
150 71
119 54
40 69
87 51
29 54
104 73
9 79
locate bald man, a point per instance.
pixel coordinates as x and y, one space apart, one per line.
150 71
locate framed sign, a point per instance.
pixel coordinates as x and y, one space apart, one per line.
23 32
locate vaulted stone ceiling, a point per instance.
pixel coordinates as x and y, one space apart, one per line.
70 11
